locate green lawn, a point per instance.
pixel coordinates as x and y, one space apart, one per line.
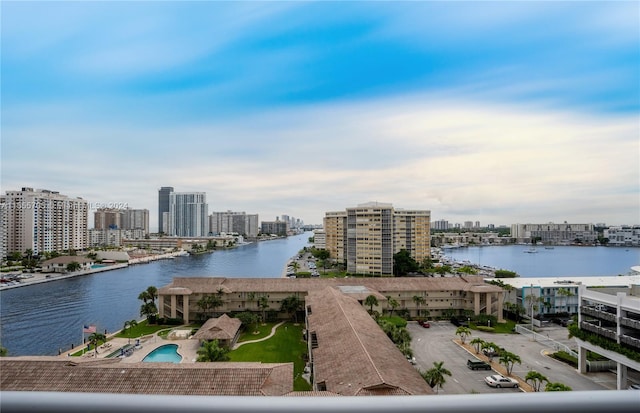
264 330
142 329
285 346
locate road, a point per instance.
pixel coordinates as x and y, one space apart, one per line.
436 344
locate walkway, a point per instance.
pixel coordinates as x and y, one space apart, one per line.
273 331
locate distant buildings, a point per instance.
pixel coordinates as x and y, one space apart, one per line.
623 236
558 234
274 227
366 237
233 222
127 219
188 214
44 221
163 208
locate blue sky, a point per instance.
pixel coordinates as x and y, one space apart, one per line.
498 112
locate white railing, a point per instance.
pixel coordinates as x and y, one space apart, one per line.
619 401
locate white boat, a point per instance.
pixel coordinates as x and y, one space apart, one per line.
531 250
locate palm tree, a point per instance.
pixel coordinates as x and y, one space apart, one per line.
212 351
536 379
477 343
128 325
556 387
291 305
393 303
418 299
435 376
263 303
371 300
509 359
251 297
95 339
463 332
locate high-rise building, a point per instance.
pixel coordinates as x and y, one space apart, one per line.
44 221
3 228
107 218
188 214
163 206
135 219
367 236
233 222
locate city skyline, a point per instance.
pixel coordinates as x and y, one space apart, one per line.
496 112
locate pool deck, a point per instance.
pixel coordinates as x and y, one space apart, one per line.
187 348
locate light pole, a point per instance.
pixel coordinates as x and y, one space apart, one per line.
531 297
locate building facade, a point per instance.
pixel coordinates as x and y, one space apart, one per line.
107 218
613 318
233 222
188 214
623 236
44 221
366 237
163 208
274 227
555 234
135 219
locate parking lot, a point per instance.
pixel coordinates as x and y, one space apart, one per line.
436 344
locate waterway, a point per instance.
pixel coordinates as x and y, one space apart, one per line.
43 319
560 261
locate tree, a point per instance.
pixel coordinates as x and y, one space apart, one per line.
477 343
463 332
556 387
536 379
290 305
248 319
95 339
403 263
3 352
393 303
73 266
508 359
418 299
251 297
371 300
210 302
148 308
263 303
435 376
128 325
212 351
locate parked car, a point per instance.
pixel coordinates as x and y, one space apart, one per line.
424 324
490 352
497 380
478 365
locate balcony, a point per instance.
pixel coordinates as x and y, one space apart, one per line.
619 401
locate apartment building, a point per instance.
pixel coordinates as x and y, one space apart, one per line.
135 219
441 296
319 239
188 214
163 208
233 222
274 227
43 221
611 321
366 237
558 234
623 236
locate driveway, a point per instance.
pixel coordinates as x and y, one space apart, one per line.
436 344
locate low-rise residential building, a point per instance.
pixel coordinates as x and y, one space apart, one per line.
623 236
555 234
439 297
59 264
550 297
611 321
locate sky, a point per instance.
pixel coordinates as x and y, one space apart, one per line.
497 112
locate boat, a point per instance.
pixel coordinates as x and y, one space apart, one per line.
531 250
548 247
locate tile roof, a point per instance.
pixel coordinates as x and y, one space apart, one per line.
210 285
67 259
354 356
221 328
111 376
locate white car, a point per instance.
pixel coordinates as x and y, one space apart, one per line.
497 380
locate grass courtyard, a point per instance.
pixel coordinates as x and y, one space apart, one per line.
285 346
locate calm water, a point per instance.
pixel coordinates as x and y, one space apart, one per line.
41 319
561 261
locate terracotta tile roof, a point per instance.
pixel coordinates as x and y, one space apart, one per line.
66 259
112 376
354 356
210 285
221 328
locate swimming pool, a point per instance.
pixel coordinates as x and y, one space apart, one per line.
167 353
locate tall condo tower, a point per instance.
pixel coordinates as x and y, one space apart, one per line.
163 206
188 216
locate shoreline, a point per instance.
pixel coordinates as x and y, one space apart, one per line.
40 277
